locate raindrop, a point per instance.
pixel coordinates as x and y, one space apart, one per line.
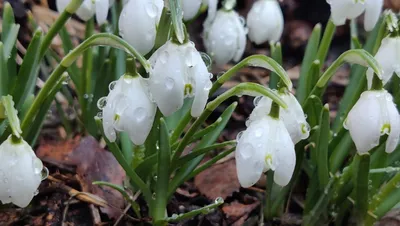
66 81
190 57
86 96
210 75
140 114
164 55
99 115
208 85
242 20
101 103
36 192
153 196
169 83
151 9
305 116
206 58
239 135
220 74
219 200
45 173
247 151
256 100
37 165
112 85
174 216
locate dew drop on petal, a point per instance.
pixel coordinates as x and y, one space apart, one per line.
169 83
208 85
239 135
164 55
37 165
242 20
206 58
140 114
112 85
246 150
151 9
190 57
210 75
99 115
257 100
44 173
102 102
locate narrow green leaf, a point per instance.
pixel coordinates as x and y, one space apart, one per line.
322 147
326 42
4 77
309 56
9 30
163 29
8 19
313 111
276 54
26 79
12 115
67 45
177 19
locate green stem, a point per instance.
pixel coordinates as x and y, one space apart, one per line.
276 54
95 40
326 42
377 83
180 127
268 196
160 203
151 143
274 112
361 187
58 24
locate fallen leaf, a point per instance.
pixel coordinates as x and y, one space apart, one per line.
96 164
235 210
218 181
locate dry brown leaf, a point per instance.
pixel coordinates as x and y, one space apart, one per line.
218 181
238 212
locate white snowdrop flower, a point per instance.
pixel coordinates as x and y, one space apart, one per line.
128 108
372 116
265 145
89 8
178 71
350 9
225 37
293 117
388 56
190 8
265 21
138 23
20 172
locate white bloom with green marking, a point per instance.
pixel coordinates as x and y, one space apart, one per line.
138 23
225 36
293 117
178 71
341 10
373 116
388 56
265 21
20 172
128 108
265 145
190 8
89 8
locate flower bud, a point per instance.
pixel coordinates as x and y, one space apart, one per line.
388 56
265 145
265 21
178 71
128 108
293 117
20 172
89 8
190 8
225 37
350 9
372 116
138 23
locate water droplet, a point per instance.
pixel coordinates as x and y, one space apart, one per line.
140 114
257 100
101 103
219 200
112 85
174 216
153 196
242 20
169 83
86 96
239 135
164 55
99 115
206 58
36 192
246 151
151 9
210 75
190 57
66 81
37 165
44 173
208 85
220 74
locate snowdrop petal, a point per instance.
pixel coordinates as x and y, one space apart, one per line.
265 21
394 120
138 23
345 9
286 157
86 10
101 11
202 86
190 8
20 173
364 120
373 10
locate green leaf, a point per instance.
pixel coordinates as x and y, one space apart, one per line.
163 29
177 19
12 115
9 30
4 77
361 186
27 75
180 116
326 42
67 45
309 56
254 61
276 54
313 111
322 147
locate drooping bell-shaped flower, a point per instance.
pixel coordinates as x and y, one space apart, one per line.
89 8
265 145
341 10
20 172
388 56
190 8
178 71
225 36
265 21
138 23
128 108
371 117
293 117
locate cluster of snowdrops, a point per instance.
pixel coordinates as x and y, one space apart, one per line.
175 73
